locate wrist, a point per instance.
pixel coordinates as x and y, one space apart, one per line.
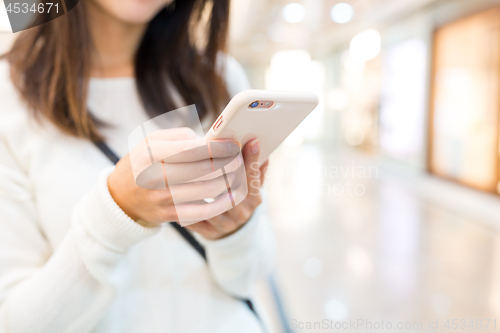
229 233
116 193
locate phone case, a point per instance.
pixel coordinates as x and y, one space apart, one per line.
270 125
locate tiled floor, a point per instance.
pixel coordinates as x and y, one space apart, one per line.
369 245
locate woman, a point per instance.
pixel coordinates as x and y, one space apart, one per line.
82 247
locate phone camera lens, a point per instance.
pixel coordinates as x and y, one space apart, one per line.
254 104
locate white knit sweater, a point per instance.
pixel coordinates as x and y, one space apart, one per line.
72 261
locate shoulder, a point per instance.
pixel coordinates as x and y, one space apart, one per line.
14 113
235 76
9 95
6 85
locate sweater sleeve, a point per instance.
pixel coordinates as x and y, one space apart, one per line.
66 289
236 262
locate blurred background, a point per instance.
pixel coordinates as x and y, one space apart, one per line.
385 201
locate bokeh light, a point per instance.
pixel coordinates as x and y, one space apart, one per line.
366 45
342 13
294 13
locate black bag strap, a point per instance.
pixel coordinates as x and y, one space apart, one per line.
186 234
190 239
201 250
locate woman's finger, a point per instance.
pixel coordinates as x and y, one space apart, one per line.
150 151
201 170
223 222
241 213
251 154
233 166
193 212
162 175
263 171
191 150
201 190
206 229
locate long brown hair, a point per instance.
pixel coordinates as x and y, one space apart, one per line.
50 64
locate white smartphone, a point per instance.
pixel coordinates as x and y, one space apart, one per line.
269 116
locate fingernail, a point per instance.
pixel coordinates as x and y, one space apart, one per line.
234 147
254 146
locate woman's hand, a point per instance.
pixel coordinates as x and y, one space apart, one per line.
187 158
229 222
